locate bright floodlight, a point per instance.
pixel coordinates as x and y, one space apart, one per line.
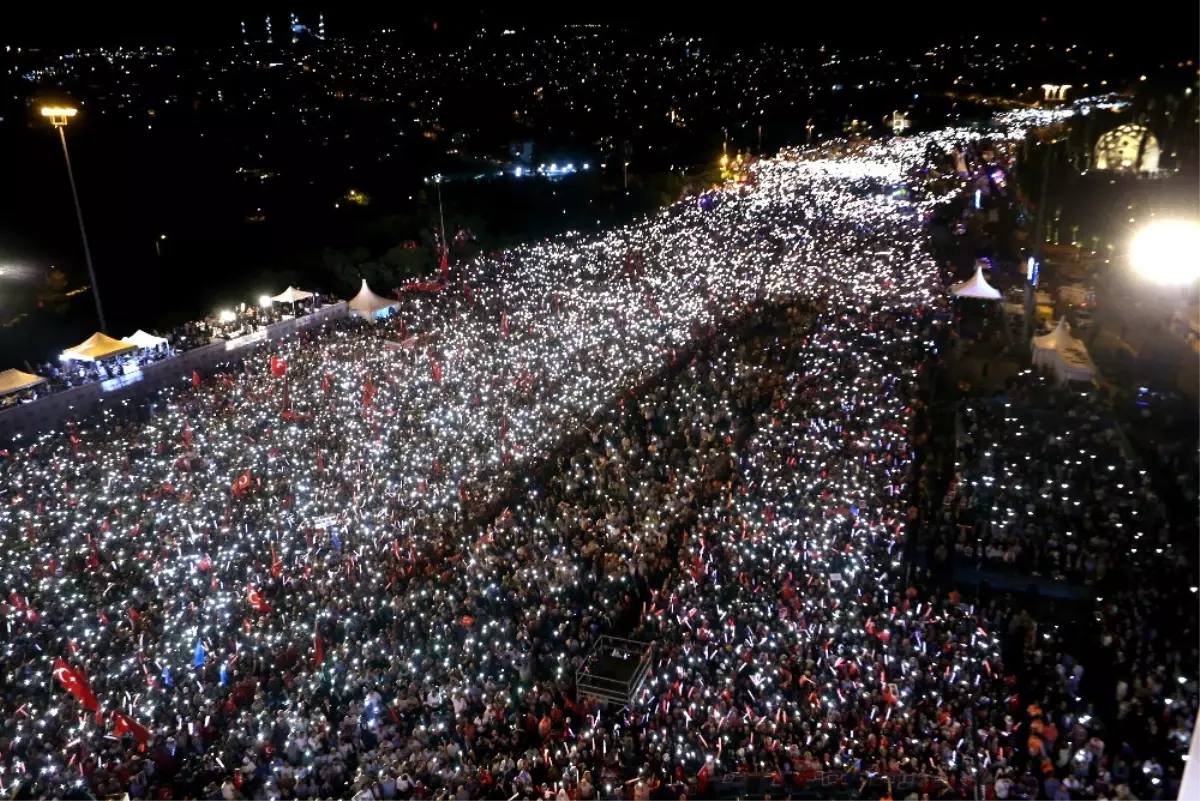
59 111
227 316
1167 252
264 301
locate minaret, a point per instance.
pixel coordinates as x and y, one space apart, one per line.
321 25
293 19
245 41
269 41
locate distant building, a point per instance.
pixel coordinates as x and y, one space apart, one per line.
1055 91
1127 148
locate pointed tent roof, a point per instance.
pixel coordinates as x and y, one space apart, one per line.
97 346
14 381
291 295
367 301
143 340
1065 355
975 287
1059 339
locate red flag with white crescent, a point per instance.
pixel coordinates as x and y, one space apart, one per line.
256 600
74 682
127 725
241 484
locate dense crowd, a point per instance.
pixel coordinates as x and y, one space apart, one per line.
1047 486
1065 510
368 561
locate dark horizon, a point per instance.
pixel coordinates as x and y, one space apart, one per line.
90 26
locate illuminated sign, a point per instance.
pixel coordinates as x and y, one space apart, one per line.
129 377
240 342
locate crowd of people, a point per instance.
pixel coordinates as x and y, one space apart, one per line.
1066 511
1046 486
224 325
369 560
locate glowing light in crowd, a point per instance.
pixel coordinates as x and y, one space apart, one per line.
319 506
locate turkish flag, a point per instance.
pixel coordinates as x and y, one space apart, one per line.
437 370
445 263
318 643
241 484
195 380
74 682
127 725
276 563
278 367
256 600
368 392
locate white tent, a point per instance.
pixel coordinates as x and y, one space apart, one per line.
975 287
141 339
1046 345
96 347
292 295
14 381
1065 355
367 304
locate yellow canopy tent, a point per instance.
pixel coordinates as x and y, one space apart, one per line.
14 381
96 347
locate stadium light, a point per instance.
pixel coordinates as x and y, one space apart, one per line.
1167 252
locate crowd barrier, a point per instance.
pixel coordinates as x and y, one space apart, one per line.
25 420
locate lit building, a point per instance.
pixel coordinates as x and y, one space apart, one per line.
1127 148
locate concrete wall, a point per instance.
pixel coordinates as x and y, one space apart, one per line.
21 422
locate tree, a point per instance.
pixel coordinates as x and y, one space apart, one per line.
407 261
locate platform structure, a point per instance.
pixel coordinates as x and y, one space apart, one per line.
614 670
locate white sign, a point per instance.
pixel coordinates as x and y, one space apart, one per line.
124 380
240 342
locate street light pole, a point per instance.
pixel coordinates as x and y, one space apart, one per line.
58 117
441 214
1038 243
